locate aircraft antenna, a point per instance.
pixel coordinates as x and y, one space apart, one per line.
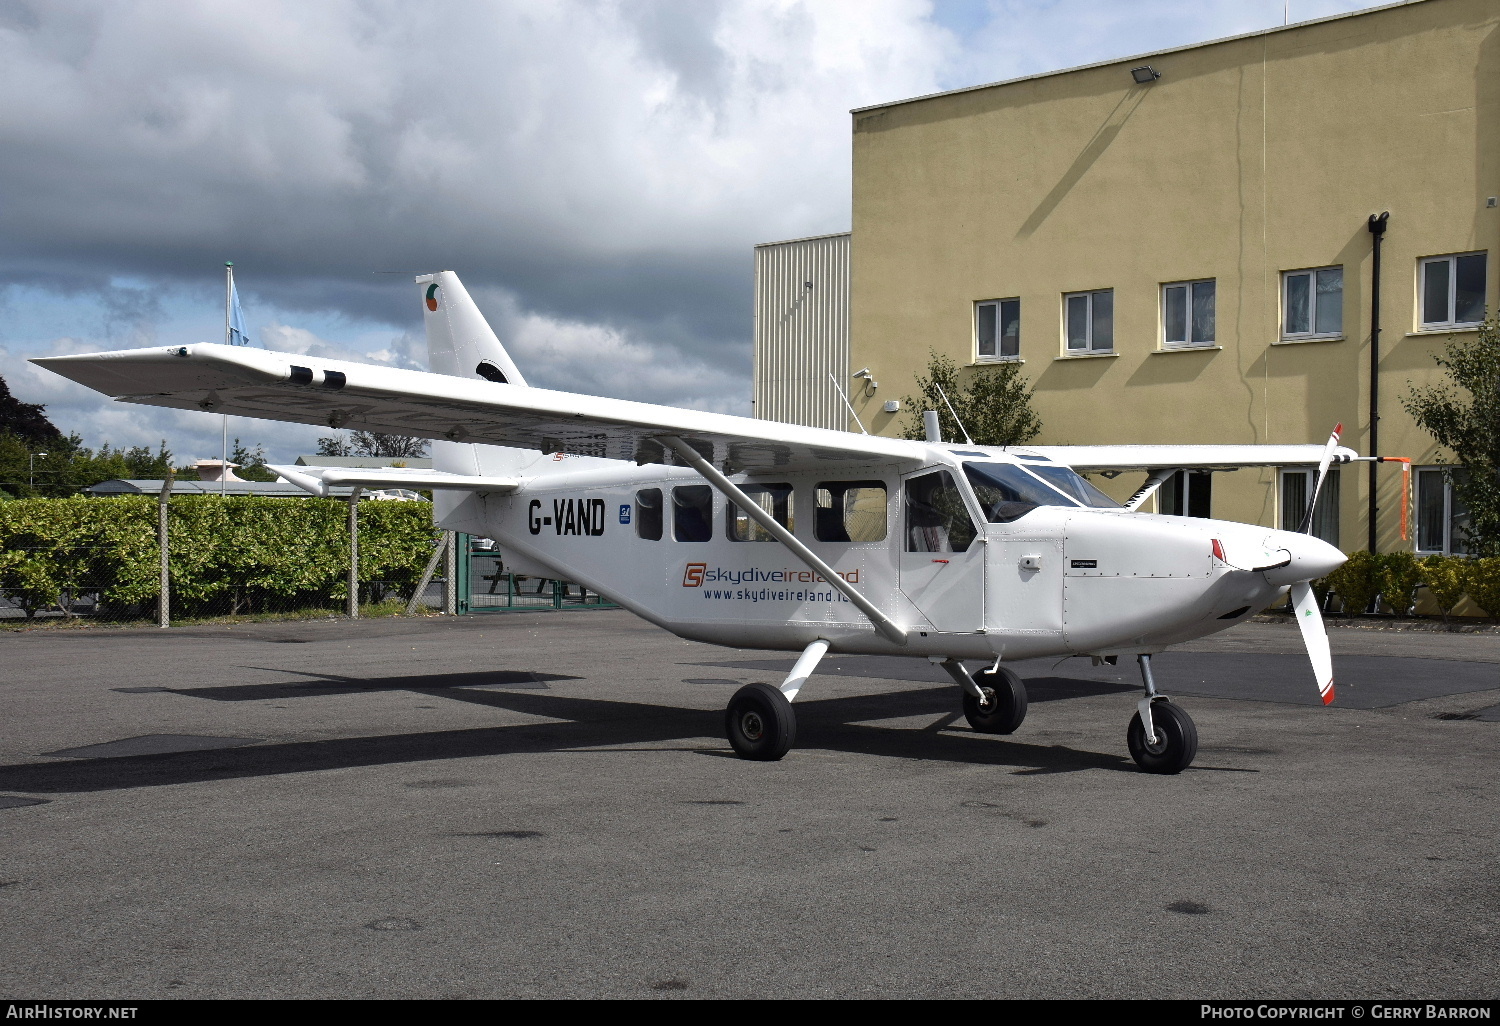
954 412
846 403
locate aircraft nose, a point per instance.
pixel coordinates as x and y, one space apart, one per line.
1312 558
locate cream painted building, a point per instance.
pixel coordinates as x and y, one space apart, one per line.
1177 246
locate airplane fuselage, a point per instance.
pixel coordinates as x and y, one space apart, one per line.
1056 580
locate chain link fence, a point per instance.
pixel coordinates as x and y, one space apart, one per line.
112 561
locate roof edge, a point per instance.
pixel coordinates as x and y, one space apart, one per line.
1137 57
806 238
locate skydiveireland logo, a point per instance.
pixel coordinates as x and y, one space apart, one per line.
696 575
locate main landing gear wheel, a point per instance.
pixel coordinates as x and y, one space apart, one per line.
1175 744
1005 702
760 723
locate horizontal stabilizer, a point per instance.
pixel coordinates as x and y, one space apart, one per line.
318 480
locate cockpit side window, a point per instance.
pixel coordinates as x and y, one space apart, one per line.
1007 493
850 511
936 518
1076 486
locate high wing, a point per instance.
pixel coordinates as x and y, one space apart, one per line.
280 386
249 382
1093 458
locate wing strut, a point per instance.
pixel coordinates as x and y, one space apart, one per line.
883 623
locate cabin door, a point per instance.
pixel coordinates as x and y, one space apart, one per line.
942 555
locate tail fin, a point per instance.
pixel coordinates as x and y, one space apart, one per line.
459 340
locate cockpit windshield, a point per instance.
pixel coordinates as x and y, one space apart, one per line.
1007 493
1067 479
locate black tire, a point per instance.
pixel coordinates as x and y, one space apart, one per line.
760 723
1006 707
1176 740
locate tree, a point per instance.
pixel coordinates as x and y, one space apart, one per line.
25 420
64 465
252 463
995 407
1463 415
372 445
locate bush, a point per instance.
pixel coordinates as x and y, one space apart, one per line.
1400 575
243 554
1357 582
1484 584
1447 579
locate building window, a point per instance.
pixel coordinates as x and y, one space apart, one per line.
1187 493
1296 490
1312 303
1090 321
775 499
1187 314
1453 291
997 329
1442 518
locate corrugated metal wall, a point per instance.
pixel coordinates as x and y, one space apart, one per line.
802 331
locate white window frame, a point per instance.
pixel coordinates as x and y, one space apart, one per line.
1187 288
1312 304
999 356
1418 477
1326 516
1451 259
1090 348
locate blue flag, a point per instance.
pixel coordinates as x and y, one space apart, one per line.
237 334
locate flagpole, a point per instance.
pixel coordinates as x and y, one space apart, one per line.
228 340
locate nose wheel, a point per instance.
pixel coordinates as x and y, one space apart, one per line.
1174 742
1162 737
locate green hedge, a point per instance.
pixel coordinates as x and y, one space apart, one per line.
1396 576
228 555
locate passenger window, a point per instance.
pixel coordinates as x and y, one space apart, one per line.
936 518
693 513
648 514
775 499
850 511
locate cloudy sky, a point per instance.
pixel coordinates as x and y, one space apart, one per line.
596 171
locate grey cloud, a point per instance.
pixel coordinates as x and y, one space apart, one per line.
597 169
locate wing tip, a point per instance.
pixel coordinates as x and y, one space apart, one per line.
1328 694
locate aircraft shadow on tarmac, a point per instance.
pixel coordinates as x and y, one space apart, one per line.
834 724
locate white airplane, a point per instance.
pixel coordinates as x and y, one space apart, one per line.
757 534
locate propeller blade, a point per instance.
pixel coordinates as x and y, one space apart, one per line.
1315 637
1333 442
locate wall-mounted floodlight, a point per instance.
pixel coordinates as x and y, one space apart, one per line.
1144 74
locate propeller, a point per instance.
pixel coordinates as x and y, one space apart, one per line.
1333 443
1305 601
1310 622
